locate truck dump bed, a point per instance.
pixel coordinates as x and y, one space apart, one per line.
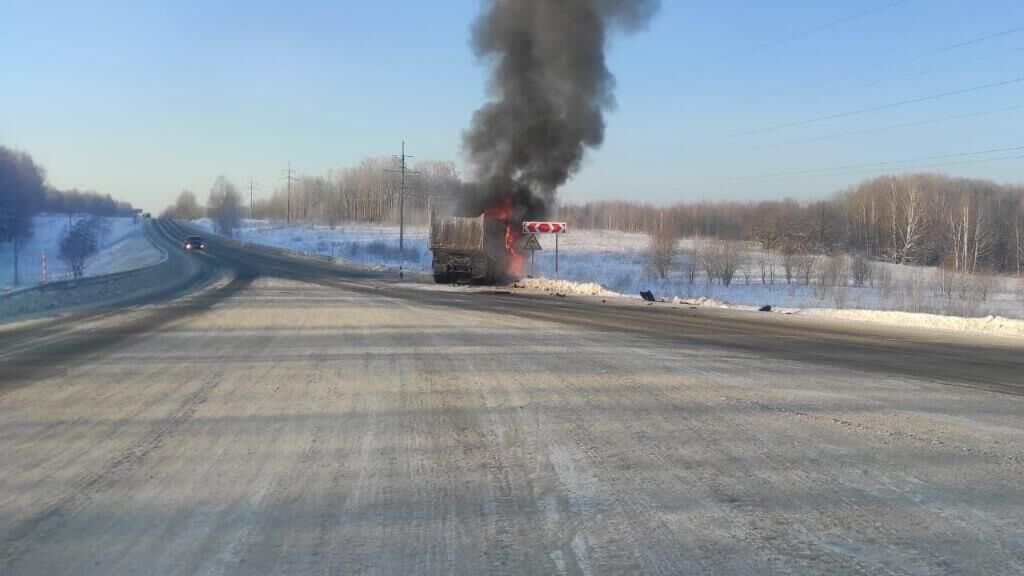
461 234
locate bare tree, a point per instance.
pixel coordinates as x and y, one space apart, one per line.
805 265
766 264
722 259
789 265
885 282
969 232
986 284
185 207
906 213
691 264
1018 233
224 206
78 245
664 239
834 272
860 270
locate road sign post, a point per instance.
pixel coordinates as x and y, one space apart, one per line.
555 228
532 245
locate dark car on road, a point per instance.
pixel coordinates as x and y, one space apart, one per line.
195 243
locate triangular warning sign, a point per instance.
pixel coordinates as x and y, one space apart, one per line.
532 243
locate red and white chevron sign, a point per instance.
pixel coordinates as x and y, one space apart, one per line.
545 227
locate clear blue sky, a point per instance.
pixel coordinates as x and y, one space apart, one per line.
142 99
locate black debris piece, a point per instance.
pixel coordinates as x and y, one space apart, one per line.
765 308
647 295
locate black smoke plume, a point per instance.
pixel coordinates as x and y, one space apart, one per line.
549 89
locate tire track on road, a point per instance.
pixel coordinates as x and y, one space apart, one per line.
21 538
36 363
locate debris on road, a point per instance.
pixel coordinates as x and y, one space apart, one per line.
647 295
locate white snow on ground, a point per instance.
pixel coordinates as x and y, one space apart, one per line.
130 253
122 247
371 244
615 264
993 325
989 325
568 287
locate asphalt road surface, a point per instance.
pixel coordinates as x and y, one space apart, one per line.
294 418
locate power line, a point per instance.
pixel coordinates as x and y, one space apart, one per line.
873 164
878 129
932 52
801 34
930 70
972 41
889 63
906 168
862 110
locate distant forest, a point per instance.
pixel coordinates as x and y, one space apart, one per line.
928 219
25 192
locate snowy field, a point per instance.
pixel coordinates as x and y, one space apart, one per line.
370 244
607 263
122 247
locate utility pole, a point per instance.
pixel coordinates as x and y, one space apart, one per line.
289 178
401 200
251 196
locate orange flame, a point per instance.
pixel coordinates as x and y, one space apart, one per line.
502 210
515 259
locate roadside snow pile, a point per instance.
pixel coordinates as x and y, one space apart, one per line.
992 325
989 325
705 302
569 287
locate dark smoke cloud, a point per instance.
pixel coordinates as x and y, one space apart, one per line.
549 89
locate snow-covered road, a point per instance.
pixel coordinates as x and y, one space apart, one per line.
348 425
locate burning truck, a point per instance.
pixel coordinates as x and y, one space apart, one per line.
547 94
478 250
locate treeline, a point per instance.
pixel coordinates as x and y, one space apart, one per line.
369 192
25 192
930 219
223 206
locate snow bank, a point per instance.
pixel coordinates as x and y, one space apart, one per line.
991 325
568 287
988 325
